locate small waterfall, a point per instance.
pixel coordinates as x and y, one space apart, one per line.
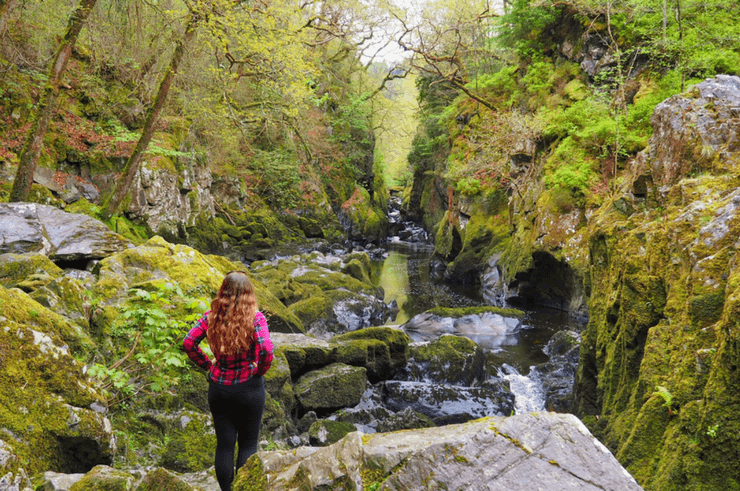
528 392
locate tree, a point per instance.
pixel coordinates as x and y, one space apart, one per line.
34 141
447 42
4 8
134 161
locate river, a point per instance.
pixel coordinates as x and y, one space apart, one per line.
405 277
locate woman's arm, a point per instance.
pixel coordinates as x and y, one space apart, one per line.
191 343
264 344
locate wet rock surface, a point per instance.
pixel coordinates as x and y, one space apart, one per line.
30 227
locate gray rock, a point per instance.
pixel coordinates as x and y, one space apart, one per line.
691 128
62 236
537 451
489 330
55 481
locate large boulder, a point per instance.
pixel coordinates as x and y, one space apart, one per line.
330 388
453 360
62 236
18 268
532 451
52 414
694 132
328 294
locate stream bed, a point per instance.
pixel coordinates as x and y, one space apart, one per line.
406 278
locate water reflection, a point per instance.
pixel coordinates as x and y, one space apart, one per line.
405 278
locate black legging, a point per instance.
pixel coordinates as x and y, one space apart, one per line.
237 417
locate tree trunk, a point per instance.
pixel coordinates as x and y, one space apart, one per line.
4 9
31 150
132 165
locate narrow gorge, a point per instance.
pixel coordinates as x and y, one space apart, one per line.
501 259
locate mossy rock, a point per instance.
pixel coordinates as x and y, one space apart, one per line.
68 297
16 268
454 360
363 219
104 478
45 399
448 240
161 479
396 340
192 448
372 354
251 476
278 383
197 274
482 235
312 308
324 432
356 269
20 308
307 355
332 387
333 280
276 417
311 228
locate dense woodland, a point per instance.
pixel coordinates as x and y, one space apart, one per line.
484 115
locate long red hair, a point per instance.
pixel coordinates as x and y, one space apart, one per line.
231 320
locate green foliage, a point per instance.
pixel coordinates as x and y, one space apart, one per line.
570 167
469 186
151 324
667 397
522 28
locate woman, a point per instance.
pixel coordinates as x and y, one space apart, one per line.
238 337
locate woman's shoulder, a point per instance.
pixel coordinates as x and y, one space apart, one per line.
259 319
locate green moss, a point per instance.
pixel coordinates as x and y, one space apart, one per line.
705 310
190 449
15 268
325 432
104 479
358 270
312 308
372 354
39 383
161 479
251 476
397 341
18 307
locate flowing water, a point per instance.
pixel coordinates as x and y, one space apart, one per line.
406 278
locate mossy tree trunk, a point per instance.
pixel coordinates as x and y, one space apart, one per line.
4 9
31 150
132 165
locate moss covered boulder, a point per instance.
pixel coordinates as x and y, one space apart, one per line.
327 294
196 274
17 268
330 388
450 359
382 350
52 412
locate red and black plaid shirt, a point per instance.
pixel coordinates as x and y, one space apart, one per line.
236 368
